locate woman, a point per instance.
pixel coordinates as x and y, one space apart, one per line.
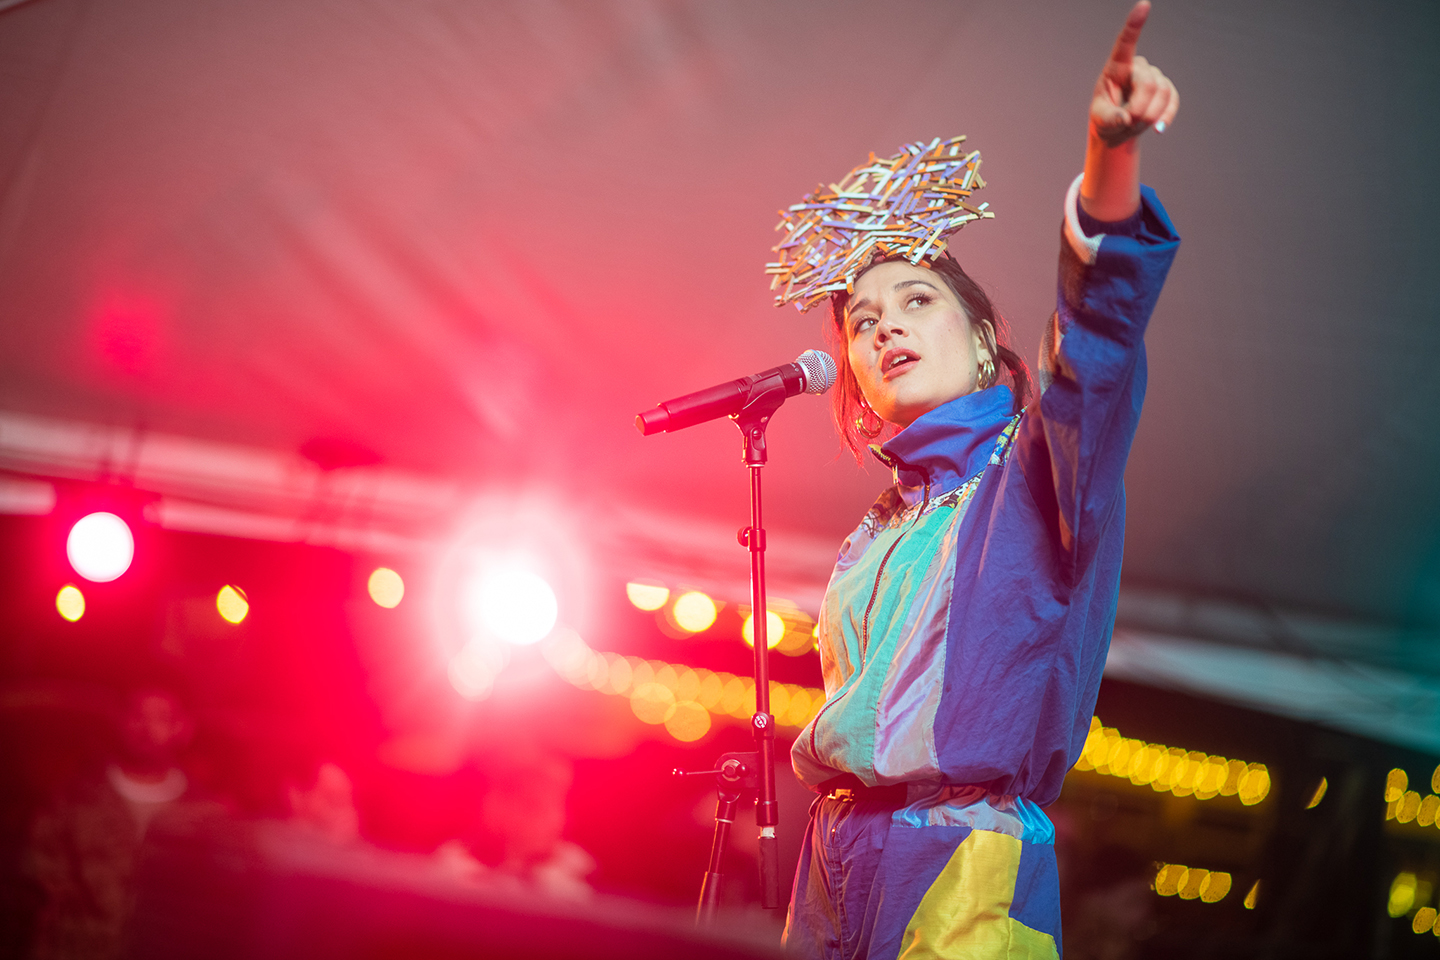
966 623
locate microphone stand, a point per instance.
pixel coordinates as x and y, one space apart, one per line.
737 770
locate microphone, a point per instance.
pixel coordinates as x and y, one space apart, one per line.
812 372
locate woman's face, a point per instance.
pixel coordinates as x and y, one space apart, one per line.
911 345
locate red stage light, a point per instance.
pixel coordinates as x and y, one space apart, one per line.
100 547
516 606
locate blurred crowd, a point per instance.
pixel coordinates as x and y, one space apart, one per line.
86 846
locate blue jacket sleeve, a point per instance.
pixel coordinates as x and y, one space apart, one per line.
1073 444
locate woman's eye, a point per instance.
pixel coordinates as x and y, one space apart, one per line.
863 323
918 298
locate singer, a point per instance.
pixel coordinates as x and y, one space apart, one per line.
967 620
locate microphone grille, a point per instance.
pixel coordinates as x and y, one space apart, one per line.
819 369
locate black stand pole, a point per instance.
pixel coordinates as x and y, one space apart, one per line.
737 771
752 423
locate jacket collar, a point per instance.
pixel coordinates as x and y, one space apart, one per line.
949 444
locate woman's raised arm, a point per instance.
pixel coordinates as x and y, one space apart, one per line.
1131 96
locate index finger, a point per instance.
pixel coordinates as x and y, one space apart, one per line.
1124 50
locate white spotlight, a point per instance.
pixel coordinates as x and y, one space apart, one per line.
516 606
100 547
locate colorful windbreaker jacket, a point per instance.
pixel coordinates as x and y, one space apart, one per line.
966 623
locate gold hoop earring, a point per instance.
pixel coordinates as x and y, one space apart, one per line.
868 423
987 374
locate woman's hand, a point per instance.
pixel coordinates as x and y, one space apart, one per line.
1131 96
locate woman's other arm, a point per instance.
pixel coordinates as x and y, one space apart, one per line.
1131 96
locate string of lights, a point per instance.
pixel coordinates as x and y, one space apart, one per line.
1191 883
1174 770
682 699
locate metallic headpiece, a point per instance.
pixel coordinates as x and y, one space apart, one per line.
906 206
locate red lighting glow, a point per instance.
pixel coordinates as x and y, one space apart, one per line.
100 547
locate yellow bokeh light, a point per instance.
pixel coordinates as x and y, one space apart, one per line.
1255 785
1171 769
797 713
798 639
1435 780
386 588
1319 794
647 595
232 603
1252 896
1190 883
1396 782
774 630
712 690
689 721
1234 770
652 703
1143 765
687 684
1424 920
693 612
70 602
1409 807
1402 894
779 699
1215 887
1167 881
1429 807
617 674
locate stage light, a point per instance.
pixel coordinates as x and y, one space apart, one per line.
232 603
514 605
1319 795
473 670
647 596
386 588
70 602
1424 921
1252 896
693 612
100 547
774 630
689 722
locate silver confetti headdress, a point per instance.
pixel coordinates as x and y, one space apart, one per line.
907 205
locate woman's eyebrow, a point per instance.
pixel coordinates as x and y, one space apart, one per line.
915 282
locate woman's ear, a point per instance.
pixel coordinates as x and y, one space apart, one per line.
984 333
